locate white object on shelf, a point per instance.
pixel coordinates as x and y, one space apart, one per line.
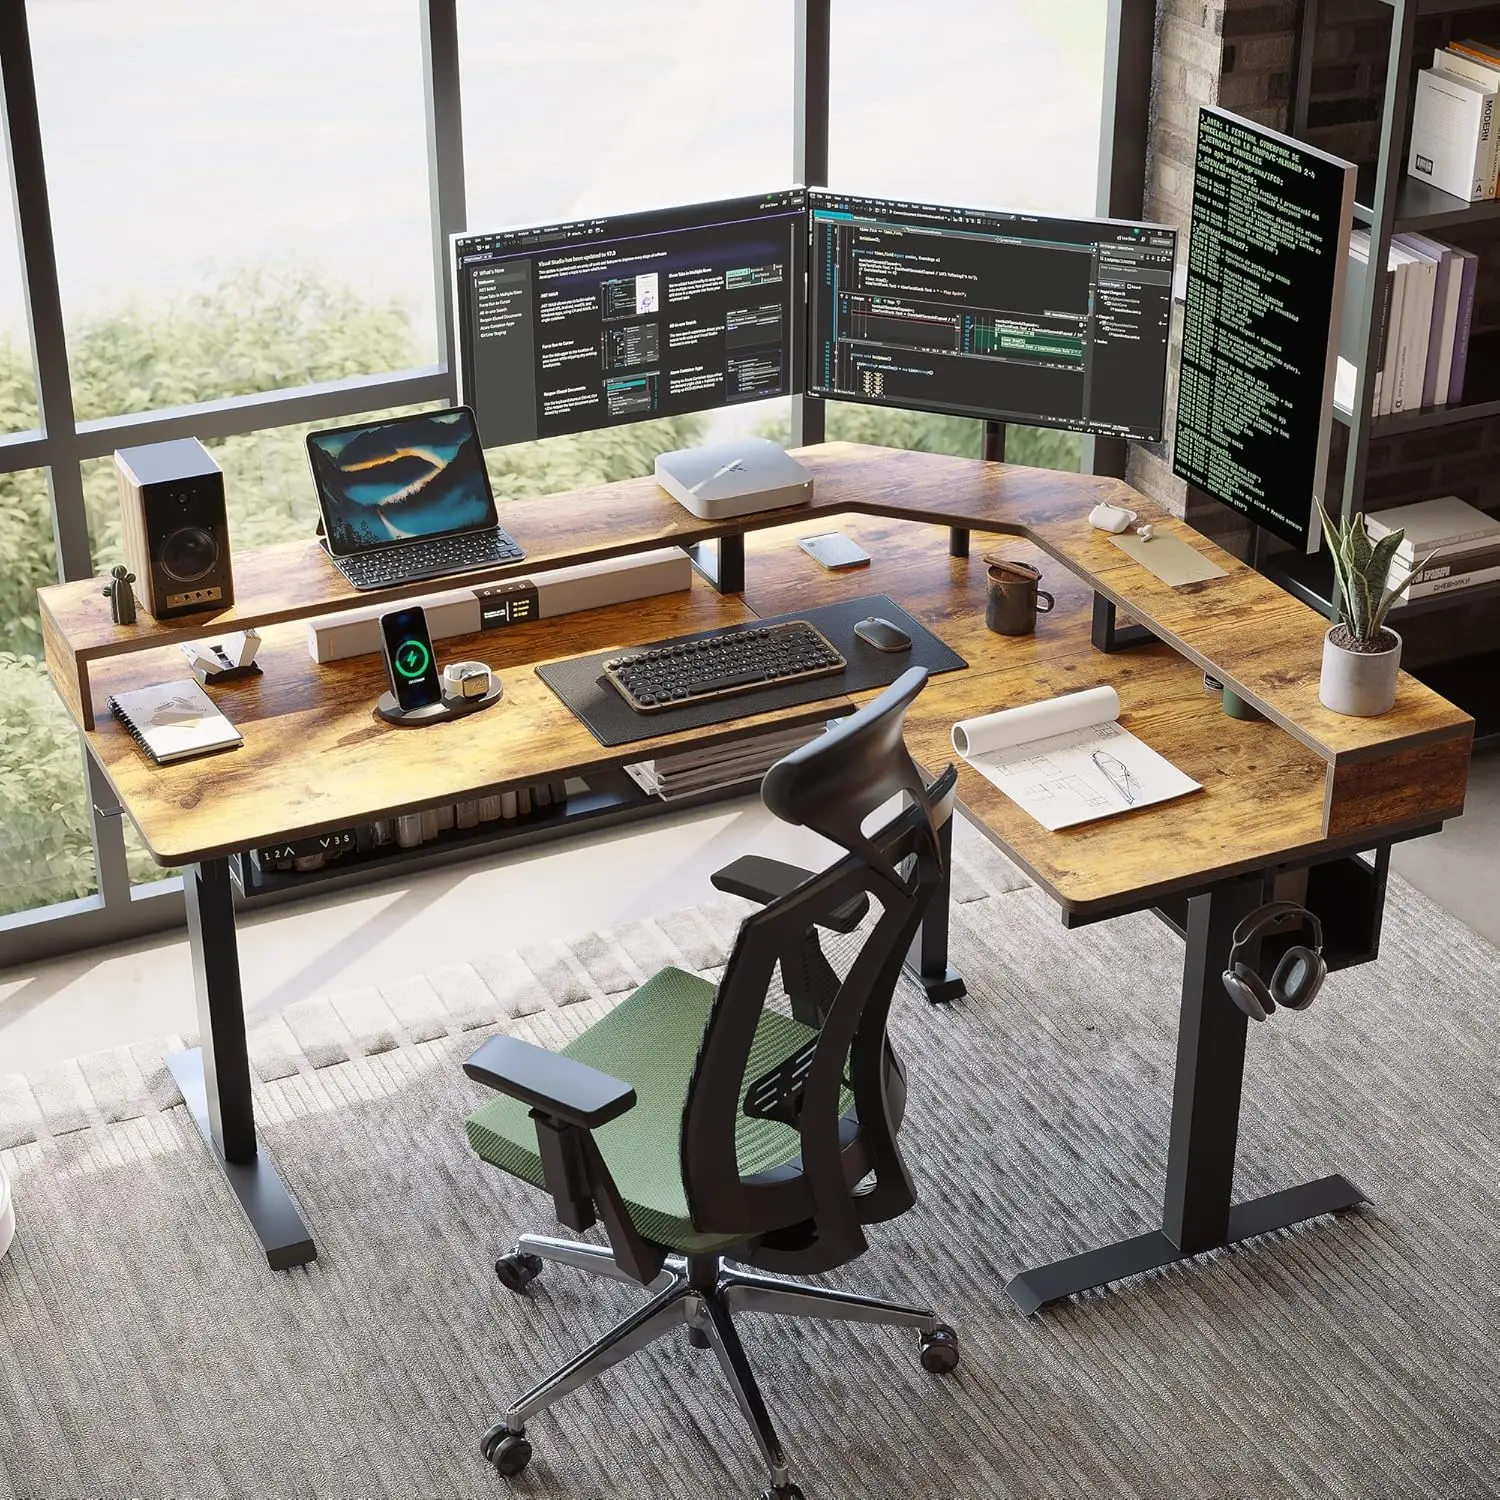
1111 518
1453 135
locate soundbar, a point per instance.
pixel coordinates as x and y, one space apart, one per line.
563 591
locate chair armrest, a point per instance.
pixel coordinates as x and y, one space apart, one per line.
766 880
556 1085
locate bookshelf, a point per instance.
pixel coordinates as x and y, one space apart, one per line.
1389 202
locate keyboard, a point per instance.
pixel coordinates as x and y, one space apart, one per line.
434 558
719 666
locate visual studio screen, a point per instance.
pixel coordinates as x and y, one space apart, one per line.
570 327
1050 322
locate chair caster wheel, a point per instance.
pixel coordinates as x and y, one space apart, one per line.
508 1451
517 1271
783 1492
940 1350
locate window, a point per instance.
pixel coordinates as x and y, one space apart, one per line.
224 181
46 837
987 105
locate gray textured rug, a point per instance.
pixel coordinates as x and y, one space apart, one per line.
146 1350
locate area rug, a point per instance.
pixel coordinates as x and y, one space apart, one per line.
146 1350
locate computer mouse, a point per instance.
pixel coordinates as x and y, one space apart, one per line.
882 635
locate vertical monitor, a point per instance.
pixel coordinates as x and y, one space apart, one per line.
570 327
1270 230
981 313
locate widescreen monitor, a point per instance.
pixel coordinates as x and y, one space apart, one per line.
574 326
981 313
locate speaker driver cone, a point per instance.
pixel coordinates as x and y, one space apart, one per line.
188 554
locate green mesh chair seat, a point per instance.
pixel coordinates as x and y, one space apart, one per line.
651 1040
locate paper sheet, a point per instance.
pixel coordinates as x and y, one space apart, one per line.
1067 761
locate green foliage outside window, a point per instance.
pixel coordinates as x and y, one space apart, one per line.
261 330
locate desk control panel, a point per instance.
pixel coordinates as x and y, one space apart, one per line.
720 666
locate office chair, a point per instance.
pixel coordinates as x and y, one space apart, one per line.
705 1125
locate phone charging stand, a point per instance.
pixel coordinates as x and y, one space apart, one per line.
435 713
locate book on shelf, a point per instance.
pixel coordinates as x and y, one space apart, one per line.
1417 278
1470 278
1424 305
1453 135
1438 370
1442 524
1452 583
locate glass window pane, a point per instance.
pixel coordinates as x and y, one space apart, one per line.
596 106
46 836
17 379
994 103
226 182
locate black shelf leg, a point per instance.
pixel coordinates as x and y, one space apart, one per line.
958 541
1108 636
1197 1214
721 562
215 1076
927 960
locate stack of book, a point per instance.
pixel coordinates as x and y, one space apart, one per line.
1451 545
1455 132
1424 306
692 772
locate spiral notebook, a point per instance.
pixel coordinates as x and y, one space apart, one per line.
173 721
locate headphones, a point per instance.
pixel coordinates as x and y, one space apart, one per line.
1298 977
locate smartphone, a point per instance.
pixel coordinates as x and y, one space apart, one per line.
409 660
834 551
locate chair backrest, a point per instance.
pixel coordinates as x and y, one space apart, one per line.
846 1170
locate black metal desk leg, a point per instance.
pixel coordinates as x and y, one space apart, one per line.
927 961
215 1076
1197 1214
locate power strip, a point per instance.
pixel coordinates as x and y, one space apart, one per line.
563 591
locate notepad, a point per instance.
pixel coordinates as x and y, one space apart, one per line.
174 720
1067 760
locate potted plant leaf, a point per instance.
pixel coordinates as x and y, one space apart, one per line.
1361 653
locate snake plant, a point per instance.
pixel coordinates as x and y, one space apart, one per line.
1362 570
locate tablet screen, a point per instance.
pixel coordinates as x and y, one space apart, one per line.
383 483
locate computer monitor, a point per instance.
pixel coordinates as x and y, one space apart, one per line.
981 313
574 326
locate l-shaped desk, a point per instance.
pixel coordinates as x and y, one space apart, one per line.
1290 803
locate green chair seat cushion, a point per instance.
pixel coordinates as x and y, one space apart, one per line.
651 1040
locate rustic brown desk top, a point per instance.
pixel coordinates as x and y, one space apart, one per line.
315 758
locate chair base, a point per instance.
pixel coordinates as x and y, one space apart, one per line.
698 1294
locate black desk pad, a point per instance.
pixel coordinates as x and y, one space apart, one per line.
580 683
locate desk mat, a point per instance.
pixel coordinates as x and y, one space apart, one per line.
580 684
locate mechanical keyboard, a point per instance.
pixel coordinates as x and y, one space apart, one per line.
435 557
718 666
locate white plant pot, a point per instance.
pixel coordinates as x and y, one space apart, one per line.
7 1214
1359 683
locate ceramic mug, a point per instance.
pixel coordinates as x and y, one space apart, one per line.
1014 599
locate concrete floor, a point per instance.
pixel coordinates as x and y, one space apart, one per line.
114 996
1459 868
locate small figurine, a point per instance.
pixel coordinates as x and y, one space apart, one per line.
121 596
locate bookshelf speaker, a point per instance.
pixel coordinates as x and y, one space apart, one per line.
175 530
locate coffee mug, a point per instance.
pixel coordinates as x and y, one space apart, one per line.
1014 598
